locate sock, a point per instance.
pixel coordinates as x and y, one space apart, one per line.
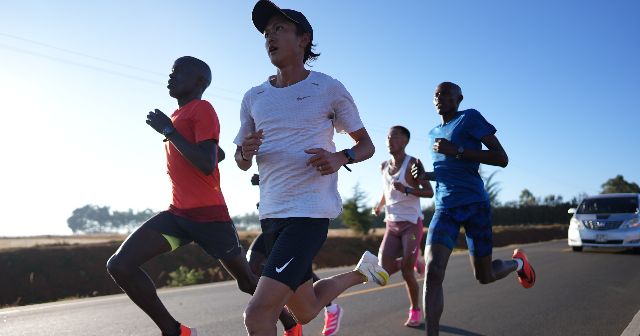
520 264
293 326
332 308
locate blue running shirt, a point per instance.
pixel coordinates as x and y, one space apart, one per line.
458 181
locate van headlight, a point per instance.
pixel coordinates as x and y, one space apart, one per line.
576 223
633 223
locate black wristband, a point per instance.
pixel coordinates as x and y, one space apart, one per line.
407 190
167 132
242 155
350 154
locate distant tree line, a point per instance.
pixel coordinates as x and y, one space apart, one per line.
101 219
528 209
356 215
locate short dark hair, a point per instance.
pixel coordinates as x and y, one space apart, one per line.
201 67
309 54
403 130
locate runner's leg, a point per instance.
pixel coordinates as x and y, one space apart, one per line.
437 256
410 246
478 230
441 238
390 250
124 267
256 260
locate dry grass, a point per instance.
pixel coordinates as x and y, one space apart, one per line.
26 242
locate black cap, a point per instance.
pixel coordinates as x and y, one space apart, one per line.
265 9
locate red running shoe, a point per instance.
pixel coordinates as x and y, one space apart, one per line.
526 276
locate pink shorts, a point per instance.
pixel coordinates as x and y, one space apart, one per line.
401 239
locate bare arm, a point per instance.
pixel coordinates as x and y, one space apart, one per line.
240 161
328 163
419 188
495 155
221 154
364 148
250 146
419 175
202 155
378 208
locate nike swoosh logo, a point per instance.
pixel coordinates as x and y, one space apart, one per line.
280 269
302 98
414 250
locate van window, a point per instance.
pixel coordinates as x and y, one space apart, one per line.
609 205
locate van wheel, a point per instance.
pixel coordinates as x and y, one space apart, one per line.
576 248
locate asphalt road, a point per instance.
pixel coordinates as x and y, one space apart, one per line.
588 293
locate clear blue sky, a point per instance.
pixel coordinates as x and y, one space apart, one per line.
558 79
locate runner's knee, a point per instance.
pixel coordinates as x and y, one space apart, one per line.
305 316
435 272
407 270
483 278
117 268
256 316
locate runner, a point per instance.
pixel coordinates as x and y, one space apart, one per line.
461 200
257 255
403 216
197 212
288 124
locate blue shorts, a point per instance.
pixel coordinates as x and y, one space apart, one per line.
476 220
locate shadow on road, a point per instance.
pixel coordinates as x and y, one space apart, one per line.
635 251
451 330
612 250
458 331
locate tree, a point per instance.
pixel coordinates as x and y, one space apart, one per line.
249 218
576 200
355 215
527 198
96 219
552 200
492 187
619 185
90 219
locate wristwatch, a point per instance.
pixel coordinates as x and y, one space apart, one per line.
350 154
168 130
460 153
408 190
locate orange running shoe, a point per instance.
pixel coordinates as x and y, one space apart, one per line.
295 331
186 331
526 275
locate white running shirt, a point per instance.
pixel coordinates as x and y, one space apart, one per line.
398 206
294 118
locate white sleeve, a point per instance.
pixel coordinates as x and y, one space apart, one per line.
247 125
346 116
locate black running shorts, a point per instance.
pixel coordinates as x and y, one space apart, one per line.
218 239
291 245
257 246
